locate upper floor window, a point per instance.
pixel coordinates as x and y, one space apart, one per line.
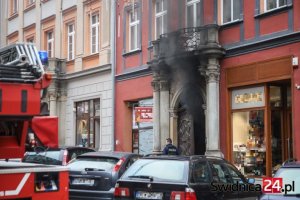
193 13
230 10
160 17
29 2
94 33
14 6
50 44
133 30
274 4
71 40
30 40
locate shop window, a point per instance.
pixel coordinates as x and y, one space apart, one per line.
87 122
249 147
230 11
142 126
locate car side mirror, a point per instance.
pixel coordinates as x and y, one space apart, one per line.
251 180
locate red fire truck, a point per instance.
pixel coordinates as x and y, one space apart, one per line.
22 82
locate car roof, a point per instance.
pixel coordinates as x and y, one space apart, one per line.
115 154
180 157
294 164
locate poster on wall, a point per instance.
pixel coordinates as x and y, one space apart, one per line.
143 114
248 98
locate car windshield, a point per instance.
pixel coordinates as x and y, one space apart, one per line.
290 176
93 163
164 170
48 157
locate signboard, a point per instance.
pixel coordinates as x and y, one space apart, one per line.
248 98
143 114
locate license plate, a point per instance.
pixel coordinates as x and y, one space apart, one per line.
148 195
83 181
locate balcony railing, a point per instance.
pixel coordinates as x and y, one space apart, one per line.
185 41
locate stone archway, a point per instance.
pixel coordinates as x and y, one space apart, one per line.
189 126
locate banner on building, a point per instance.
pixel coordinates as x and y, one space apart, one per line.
143 114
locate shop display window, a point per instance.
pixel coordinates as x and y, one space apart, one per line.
249 147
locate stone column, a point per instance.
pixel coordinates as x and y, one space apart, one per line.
156 114
164 111
52 103
212 112
174 126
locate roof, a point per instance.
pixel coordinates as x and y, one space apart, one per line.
180 157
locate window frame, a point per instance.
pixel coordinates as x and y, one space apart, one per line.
94 26
15 7
50 41
134 24
277 6
162 14
231 13
194 4
71 34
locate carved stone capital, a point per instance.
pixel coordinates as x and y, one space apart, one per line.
52 95
164 85
156 86
212 75
173 113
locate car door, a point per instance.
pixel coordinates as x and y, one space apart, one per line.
200 180
247 190
222 182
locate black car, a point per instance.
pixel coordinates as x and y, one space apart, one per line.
94 175
184 177
54 156
290 174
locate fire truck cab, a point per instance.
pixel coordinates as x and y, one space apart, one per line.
22 81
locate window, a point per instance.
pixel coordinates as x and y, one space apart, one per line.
71 44
160 17
30 40
133 30
274 4
87 122
230 11
29 2
193 13
50 43
14 6
94 33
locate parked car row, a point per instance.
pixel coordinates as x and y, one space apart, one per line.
125 175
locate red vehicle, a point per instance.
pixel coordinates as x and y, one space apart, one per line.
22 81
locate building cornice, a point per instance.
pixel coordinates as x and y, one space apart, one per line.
84 73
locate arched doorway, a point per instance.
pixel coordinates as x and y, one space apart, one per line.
191 129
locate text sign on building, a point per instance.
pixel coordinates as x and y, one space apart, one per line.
143 114
248 98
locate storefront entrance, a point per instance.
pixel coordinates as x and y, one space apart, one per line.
281 123
261 128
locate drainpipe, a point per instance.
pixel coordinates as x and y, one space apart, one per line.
113 66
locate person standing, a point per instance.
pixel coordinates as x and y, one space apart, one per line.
170 149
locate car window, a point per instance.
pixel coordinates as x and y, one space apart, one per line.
73 153
94 163
164 170
289 175
131 161
200 172
234 174
48 157
220 173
